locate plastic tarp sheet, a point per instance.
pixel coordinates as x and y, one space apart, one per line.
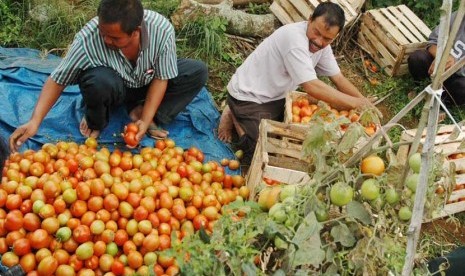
22 75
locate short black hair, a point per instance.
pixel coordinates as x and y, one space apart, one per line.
4 153
129 13
332 12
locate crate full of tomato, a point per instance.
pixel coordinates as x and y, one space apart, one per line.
300 108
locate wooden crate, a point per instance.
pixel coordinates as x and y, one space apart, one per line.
390 35
448 147
290 97
290 11
278 156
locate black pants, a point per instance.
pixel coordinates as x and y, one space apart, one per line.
418 65
249 115
103 89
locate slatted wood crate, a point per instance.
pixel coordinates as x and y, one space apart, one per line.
390 35
449 147
292 96
278 156
290 11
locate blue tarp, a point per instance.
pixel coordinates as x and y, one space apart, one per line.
22 75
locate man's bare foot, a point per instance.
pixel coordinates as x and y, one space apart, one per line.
86 131
226 125
239 130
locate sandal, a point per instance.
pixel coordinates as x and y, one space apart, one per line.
157 132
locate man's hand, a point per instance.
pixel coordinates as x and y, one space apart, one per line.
21 134
449 63
367 103
143 127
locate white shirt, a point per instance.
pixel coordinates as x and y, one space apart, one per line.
280 64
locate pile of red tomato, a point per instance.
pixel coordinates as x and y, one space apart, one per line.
70 209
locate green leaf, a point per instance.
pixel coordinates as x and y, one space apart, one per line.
249 269
309 252
308 238
350 138
342 234
315 138
309 227
204 236
279 272
357 211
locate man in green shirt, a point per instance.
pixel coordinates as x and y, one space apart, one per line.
125 55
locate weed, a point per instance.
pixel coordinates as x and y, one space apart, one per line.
206 36
255 8
164 7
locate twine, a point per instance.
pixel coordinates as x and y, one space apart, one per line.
437 95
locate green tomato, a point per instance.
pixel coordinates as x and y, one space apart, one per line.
321 214
287 191
414 162
341 194
370 189
412 181
279 243
63 234
404 213
392 197
277 213
37 205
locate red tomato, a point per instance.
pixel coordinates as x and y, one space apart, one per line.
81 234
130 139
21 247
40 239
131 127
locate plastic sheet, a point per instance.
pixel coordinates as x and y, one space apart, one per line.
22 75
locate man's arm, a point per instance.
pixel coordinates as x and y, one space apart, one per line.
345 86
51 91
348 100
432 49
155 95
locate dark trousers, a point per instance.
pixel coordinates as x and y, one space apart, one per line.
418 65
103 89
249 115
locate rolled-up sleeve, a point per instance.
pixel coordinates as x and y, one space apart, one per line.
69 69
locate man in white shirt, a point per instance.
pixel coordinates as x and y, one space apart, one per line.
294 55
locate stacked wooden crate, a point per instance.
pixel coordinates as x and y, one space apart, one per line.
390 35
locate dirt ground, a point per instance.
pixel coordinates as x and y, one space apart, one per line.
445 230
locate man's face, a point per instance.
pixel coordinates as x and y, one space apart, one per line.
320 34
114 37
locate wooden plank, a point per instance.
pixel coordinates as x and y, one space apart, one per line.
346 6
412 29
291 11
415 20
450 209
405 33
363 41
314 3
379 46
388 27
280 13
288 163
381 34
455 195
303 8
285 175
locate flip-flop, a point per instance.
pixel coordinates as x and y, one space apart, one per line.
153 127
